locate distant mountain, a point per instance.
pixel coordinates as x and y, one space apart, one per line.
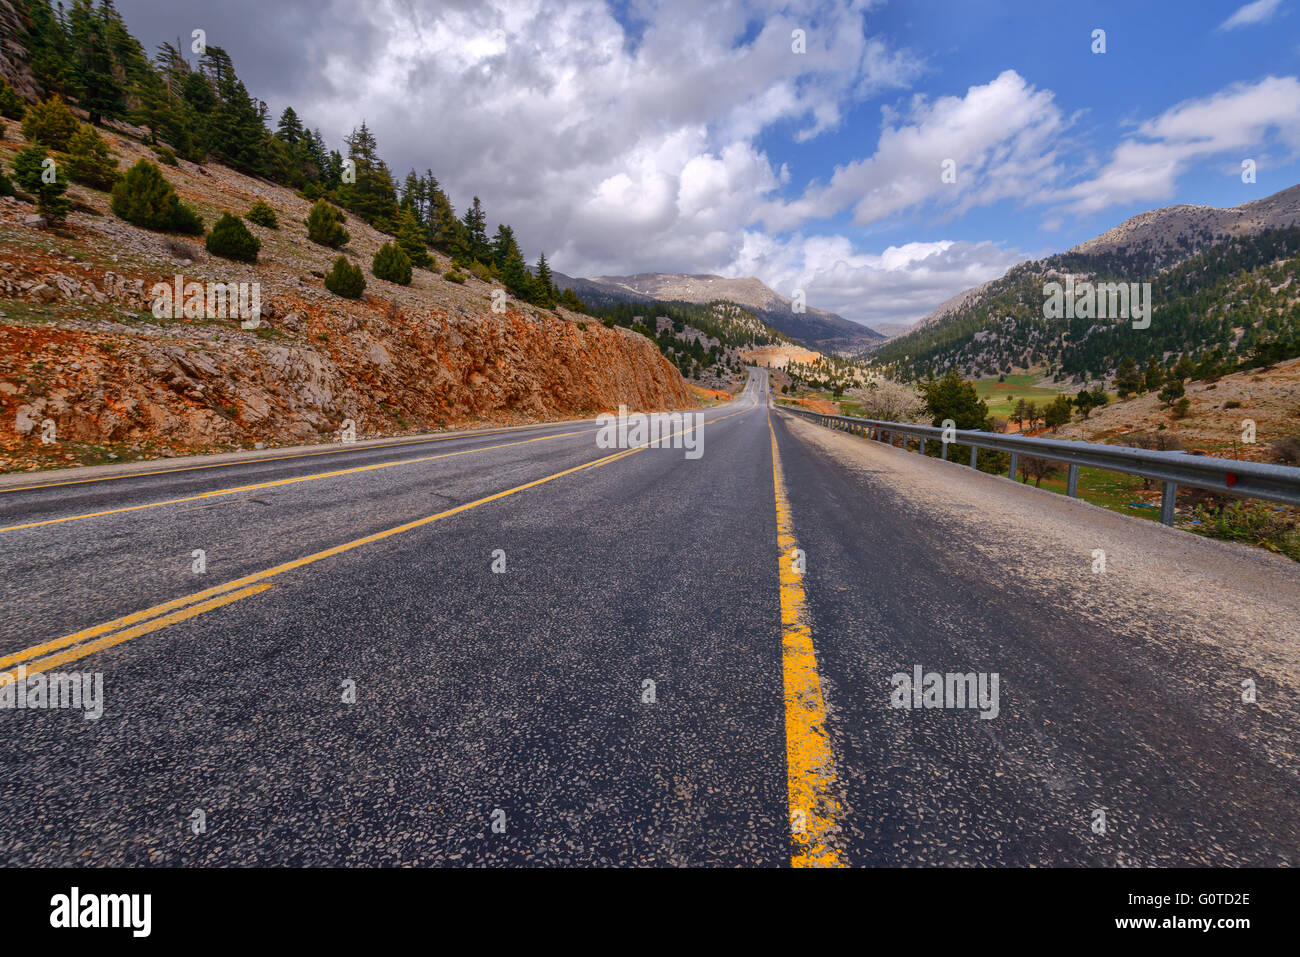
816 328
1221 279
1167 236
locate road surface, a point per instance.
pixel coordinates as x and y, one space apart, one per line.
521 648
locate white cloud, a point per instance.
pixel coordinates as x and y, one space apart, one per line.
626 146
901 284
1260 11
1001 137
1234 122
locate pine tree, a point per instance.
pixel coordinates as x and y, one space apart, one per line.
263 215
447 233
345 279
89 160
410 237
515 277
33 174
12 106
504 246
145 198
325 225
392 264
413 197
1128 378
231 239
373 196
99 90
1154 376
475 222
544 277
290 129
49 50
51 123
569 300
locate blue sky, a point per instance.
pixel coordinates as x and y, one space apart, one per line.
673 135
1158 55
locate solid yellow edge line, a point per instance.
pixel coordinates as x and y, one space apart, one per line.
810 765
81 651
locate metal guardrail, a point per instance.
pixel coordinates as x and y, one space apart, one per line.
1274 483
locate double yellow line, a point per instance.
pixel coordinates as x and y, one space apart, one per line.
71 647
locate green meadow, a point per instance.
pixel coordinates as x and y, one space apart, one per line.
1003 396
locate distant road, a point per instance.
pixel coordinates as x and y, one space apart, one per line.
686 661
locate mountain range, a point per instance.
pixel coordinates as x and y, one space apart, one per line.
1203 262
815 328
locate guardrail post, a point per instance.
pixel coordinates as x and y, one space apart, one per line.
944 454
974 456
1015 462
1167 502
923 445
904 437
1072 482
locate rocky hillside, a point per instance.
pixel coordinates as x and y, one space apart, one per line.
815 328
79 345
1216 418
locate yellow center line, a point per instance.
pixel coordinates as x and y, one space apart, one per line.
87 641
215 493
810 763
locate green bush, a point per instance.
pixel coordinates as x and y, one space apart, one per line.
453 276
1256 524
30 172
262 215
165 155
89 160
345 279
144 198
231 239
411 238
12 106
325 225
51 122
393 264
6 187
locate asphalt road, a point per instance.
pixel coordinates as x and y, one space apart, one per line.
507 717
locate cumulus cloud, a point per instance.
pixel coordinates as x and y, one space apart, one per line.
1001 139
605 136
